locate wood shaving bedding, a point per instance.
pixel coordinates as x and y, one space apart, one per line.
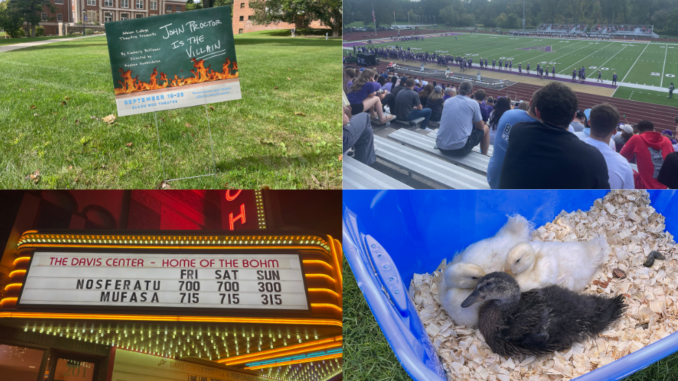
633 229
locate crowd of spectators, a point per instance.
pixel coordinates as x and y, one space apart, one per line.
560 27
619 29
530 138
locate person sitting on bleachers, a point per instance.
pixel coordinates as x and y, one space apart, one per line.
450 92
503 105
435 103
650 148
358 134
408 106
425 93
362 96
507 121
624 133
461 125
544 155
578 122
604 121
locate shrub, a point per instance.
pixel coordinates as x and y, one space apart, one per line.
39 31
89 31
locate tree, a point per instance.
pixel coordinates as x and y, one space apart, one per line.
449 16
511 22
299 12
191 5
11 19
672 23
501 20
31 11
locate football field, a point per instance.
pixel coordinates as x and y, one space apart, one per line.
639 64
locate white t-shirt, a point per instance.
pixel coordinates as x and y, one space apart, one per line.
618 168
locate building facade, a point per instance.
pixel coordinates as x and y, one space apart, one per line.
243 15
73 14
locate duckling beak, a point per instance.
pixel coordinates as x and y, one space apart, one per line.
472 299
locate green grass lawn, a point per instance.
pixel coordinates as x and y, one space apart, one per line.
649 96
641 63
12 41
284 133
368 356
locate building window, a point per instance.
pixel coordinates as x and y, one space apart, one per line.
242 5
108 17
124 3
92 2
154 5
124 16
177 8
44 16
168 8
140 4
139 15
60 17
249 18
108 3
242 18
239 31
58 1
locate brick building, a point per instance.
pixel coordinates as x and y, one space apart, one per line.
243 15
95 13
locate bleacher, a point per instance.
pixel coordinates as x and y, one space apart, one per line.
415 155
562 28
624 30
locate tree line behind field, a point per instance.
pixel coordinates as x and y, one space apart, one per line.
663 14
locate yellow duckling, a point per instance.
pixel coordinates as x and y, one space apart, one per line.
460 279
568 264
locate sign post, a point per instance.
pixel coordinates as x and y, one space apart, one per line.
173 61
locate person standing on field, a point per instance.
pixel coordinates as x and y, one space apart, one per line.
671 90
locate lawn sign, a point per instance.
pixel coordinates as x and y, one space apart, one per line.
173 61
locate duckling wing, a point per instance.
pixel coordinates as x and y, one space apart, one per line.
526 330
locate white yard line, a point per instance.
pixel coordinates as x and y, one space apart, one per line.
603 65
575 64
634 64
661 84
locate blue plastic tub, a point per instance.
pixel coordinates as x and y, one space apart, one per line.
391 235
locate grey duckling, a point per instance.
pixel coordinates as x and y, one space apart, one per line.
538 321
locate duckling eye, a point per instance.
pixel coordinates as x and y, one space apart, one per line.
518 261
474 277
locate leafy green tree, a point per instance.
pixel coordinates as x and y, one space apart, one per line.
299 12
449 15
511 21
31 11
672 23
11 19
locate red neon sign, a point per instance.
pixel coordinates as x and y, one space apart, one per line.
239 210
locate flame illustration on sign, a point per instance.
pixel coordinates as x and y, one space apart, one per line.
200 74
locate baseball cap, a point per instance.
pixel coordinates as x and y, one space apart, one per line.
627 128
437 89
668 132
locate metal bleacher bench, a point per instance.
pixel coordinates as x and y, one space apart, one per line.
414 122
474 161
433 134
428 167
361 176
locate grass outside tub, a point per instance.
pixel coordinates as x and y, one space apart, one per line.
284 133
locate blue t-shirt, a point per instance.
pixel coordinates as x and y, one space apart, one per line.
508 120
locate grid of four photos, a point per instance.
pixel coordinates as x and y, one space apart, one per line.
179 203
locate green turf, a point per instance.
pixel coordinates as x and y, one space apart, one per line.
656 97
654 61
368 356
12 41
284 133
